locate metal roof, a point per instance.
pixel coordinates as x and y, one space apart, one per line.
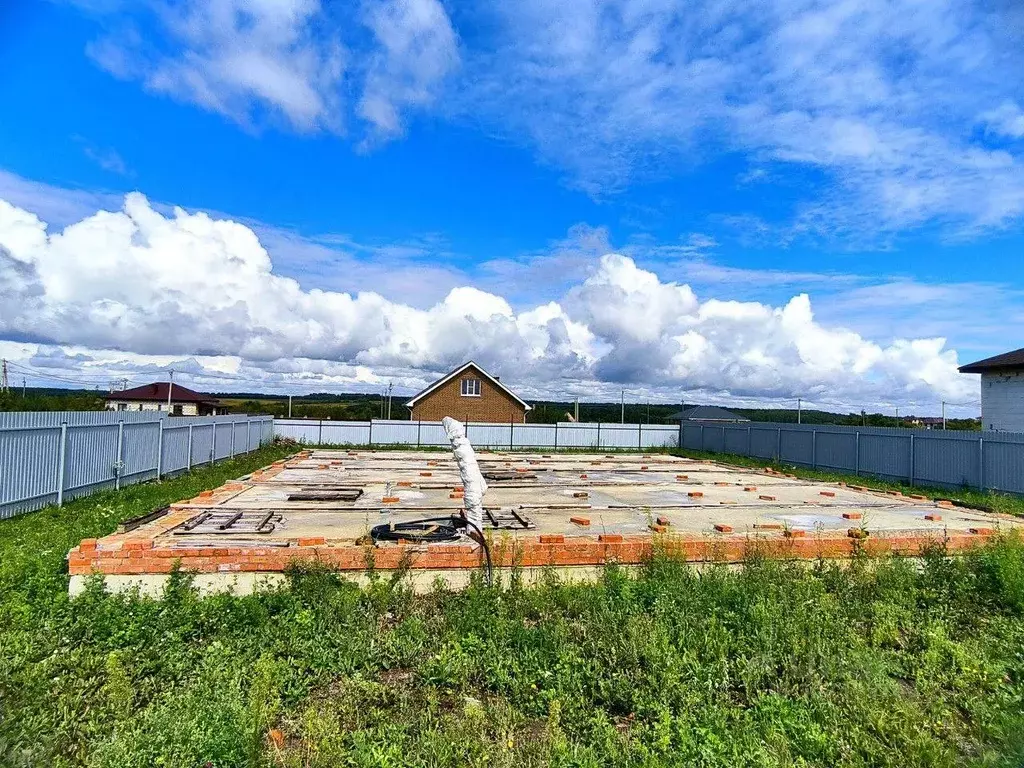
1006 360
707 413
459 370
158 391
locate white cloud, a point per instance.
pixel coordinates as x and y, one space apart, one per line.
1005 120
142 286
297 60
880 97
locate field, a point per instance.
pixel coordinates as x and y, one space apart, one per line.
874 662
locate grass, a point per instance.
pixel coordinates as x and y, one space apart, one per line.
1006 503
875 663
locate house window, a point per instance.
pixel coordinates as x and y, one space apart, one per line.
471 387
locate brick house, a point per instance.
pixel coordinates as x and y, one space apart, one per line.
468 393
1002 390
153 397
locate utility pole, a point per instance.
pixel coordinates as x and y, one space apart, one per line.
799 411
390 385
576 415
289 406
23 388
897 416
943 414
170 388
3 376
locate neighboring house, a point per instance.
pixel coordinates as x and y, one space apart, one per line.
469 393
153 397
707 414
1002 390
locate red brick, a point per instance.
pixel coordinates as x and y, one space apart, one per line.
581 495
682 477
830 494
580 520
857 533
610 538
644 467
583 477
696 494
723 528
136 544
852 515
88 545
404 484
795 533
945 504
552 538
766 498
918 497
658 528
720 483
750 488
663 521
426 474
933 518
396 499
768 526
982 531
311 541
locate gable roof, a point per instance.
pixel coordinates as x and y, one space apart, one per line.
1006 360
706 413
158 391
445 379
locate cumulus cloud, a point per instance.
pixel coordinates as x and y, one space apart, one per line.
297 60
139 283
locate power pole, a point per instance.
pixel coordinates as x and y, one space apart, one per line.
3 377
170 388
289 406
622 419
897 416
390 385
799 413
23 388
576 415
943 414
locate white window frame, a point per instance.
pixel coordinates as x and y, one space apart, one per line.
467 391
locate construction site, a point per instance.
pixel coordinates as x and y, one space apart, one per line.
390 510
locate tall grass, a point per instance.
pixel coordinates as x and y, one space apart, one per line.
872 662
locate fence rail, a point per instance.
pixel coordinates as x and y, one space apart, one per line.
49 458
984 460
484 435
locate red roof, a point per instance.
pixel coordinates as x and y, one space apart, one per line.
158 391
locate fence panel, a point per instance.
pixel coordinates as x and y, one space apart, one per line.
52 456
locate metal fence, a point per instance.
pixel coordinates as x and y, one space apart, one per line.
985 460
484 435
46 458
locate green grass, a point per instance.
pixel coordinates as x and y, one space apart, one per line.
1006 503
874 663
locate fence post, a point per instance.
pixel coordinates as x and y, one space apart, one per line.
369 440
320 434
120 454
556 435
248 434
702 437
814 449
60 462
911 459
160 450
511 435
639 435
233 423
750 441
856 453
599 433
419 426
213 446
981 463
188 462
778 449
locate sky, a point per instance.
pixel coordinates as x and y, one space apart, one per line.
728 202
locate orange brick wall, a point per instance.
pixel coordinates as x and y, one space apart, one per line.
493 405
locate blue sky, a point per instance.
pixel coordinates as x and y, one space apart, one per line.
584 196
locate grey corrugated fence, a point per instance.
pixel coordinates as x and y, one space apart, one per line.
986 460
431 433
46 458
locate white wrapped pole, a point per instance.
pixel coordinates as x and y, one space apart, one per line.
473 483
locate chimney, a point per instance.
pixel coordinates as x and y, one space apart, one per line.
497 378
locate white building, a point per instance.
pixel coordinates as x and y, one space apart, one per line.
182 401
1002 391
